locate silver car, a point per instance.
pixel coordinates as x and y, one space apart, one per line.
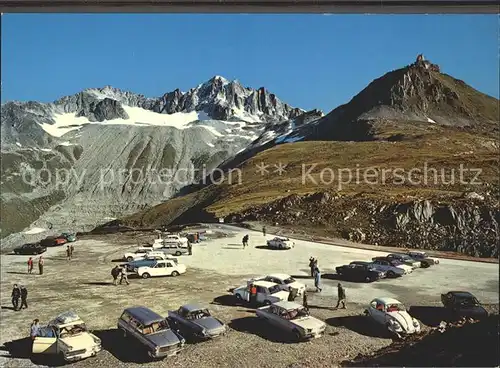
292 318
196 322
152 331
173 249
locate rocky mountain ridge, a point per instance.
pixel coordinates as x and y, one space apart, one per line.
107 131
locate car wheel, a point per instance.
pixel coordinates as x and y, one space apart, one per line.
296 335
17 253
238 296
130 259
368 279
267 302
178 253
391 274
175 273
146 275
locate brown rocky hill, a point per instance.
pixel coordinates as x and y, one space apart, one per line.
429 143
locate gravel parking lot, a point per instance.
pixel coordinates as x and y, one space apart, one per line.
84 285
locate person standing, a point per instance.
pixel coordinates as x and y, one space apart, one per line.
253 294
190 248
16 294
71 249
115 272
311 266
245 241
341 296
264 231
30 265
317 279
123 276
68 252
292 294
304 300
41 262
34 329
24 297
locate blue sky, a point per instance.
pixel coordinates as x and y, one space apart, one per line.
308 61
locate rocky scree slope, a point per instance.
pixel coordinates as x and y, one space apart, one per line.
405 119
114 145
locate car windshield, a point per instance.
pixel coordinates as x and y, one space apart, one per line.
155 327
396 307
289 280
298 313
73 330
274 289
202 313
468 301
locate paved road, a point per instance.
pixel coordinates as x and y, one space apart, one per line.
227 256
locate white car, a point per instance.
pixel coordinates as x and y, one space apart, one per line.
160 268
181 241
392 314
280 243
140 253
267 292
391 268
158 255
292 318
285 281
66 335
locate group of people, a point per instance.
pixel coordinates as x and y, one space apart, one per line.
69 251
316 274
31 262
19 293
121 272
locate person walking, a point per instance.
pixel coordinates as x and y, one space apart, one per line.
264 231
341 296
71 250
41 262
24 297
304 300
30 265
245 241
34 328
68 253
123 276
115 272
16 294
190 248
317 279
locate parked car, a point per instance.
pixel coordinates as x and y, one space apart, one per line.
359 271
68 336
70 237
53 241
424 258
463 304
30 249
149 259
173 248
391 267
152 331
280 243
140 253
196 322
285 281
405 259
175 239
292 318
160 268
392 314
267 292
